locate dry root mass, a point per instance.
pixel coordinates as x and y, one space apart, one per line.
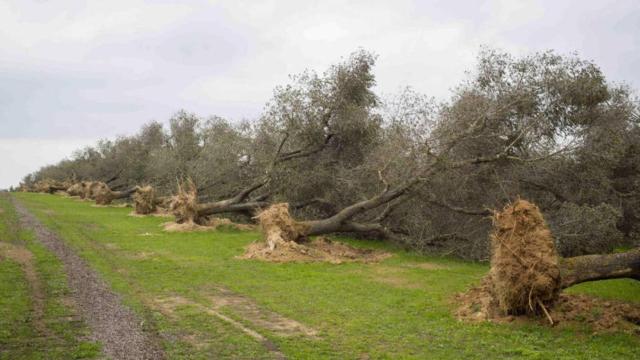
525 282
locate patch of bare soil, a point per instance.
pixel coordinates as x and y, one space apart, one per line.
427 266
318 250
143 255
261 318
210 225
393 276
121 205
598 314
114 325
158 213
24 257
168 307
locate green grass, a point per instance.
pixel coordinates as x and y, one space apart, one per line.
388 310
19 339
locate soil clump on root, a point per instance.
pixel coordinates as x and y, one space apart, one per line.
102 193
600 315
184 204
158 213
321 249
144 200
207 225
76 189
279 228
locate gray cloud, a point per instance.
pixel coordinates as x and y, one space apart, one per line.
74 70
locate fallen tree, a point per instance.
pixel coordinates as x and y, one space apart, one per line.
527 276
279 228
343 220
103 195
186 209
368 216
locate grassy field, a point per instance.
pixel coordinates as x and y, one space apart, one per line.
184 284
36 319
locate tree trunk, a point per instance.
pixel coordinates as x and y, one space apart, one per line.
579 269
225 206
53 188
123 194
104 196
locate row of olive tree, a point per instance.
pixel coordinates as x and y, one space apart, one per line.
545 127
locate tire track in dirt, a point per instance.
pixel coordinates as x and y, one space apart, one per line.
115 326
24 258
168 305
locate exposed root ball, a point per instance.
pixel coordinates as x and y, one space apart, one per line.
102 193
86 189
49 186
144 200
184 205
75 190
41 186
278 227
525 276
91 187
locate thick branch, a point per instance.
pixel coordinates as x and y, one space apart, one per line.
319 227
303 152
459 209
560 197
114 178
319 202
244 194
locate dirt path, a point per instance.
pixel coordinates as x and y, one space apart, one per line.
114 325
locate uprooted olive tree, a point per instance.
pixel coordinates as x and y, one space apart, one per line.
347 219
185 206
527 275
103 195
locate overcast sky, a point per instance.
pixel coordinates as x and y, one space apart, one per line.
75 71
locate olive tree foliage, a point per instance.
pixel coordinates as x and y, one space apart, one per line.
544 127
565 123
